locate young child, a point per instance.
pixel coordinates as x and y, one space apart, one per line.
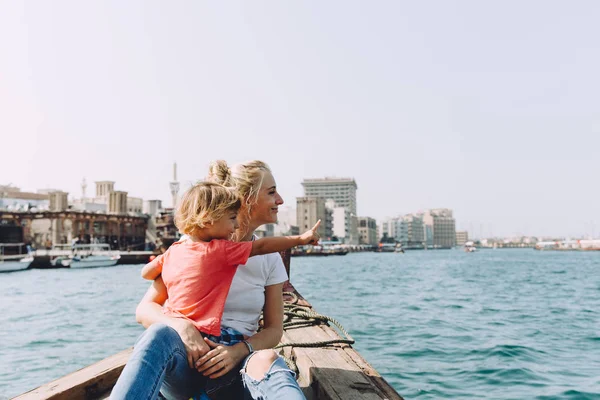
198 271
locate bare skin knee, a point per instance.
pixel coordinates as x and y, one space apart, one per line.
259 363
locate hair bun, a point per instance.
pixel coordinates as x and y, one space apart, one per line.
219 172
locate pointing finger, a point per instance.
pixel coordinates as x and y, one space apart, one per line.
314 228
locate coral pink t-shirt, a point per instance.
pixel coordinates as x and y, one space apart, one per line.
198 276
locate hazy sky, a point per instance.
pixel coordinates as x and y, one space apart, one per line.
489 108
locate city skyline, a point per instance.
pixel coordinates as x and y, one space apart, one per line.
423 109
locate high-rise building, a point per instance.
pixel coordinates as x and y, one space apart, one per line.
440 228
311 209
340 190
367 231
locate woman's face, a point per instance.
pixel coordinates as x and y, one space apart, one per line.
264 211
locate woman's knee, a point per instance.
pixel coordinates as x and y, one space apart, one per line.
260 363
157 332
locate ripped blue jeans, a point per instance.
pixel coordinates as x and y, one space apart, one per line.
158 364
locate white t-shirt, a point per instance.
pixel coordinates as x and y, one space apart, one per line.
246 296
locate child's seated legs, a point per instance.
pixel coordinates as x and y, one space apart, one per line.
228 337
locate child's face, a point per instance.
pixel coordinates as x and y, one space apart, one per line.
225 227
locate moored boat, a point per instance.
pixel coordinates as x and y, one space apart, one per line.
14 262
93 256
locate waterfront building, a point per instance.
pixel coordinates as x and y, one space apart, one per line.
103 191
311 209
340 190
59 200
367 231
462 237
47 228
135 205
344 223
440 228
117 202
13 199
410 231
152 207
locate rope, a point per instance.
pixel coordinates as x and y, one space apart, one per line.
307 317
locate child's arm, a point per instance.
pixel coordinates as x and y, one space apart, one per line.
275 244
152 270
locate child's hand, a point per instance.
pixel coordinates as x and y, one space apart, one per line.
311 237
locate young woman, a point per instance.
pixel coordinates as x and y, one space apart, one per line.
171 356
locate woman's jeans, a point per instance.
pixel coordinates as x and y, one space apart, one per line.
159 363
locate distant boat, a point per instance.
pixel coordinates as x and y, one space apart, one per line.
386 248
14 262
470 247
319 251
91 256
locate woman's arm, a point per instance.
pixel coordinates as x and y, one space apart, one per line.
149 312
267 338
272 331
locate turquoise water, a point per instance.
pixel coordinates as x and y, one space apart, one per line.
500 324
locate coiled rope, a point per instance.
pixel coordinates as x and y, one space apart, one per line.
304 316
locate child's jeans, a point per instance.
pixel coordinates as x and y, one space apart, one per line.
229 337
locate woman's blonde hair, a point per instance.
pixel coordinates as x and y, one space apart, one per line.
245 178
203 204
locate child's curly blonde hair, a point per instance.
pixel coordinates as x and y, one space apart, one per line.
204 203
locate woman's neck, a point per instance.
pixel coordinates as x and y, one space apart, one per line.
249 233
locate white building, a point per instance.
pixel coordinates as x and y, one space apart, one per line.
152 207
135 205
340 190
344 223
13 199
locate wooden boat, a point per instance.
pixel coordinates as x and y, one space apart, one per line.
334 372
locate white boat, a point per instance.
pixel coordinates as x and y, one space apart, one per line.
92 256
470 247
16 262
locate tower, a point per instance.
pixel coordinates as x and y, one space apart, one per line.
174 185
83 187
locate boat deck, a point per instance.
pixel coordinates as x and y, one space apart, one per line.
333 372
336 372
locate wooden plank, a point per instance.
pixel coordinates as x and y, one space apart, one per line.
88 383
336 372
330 371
